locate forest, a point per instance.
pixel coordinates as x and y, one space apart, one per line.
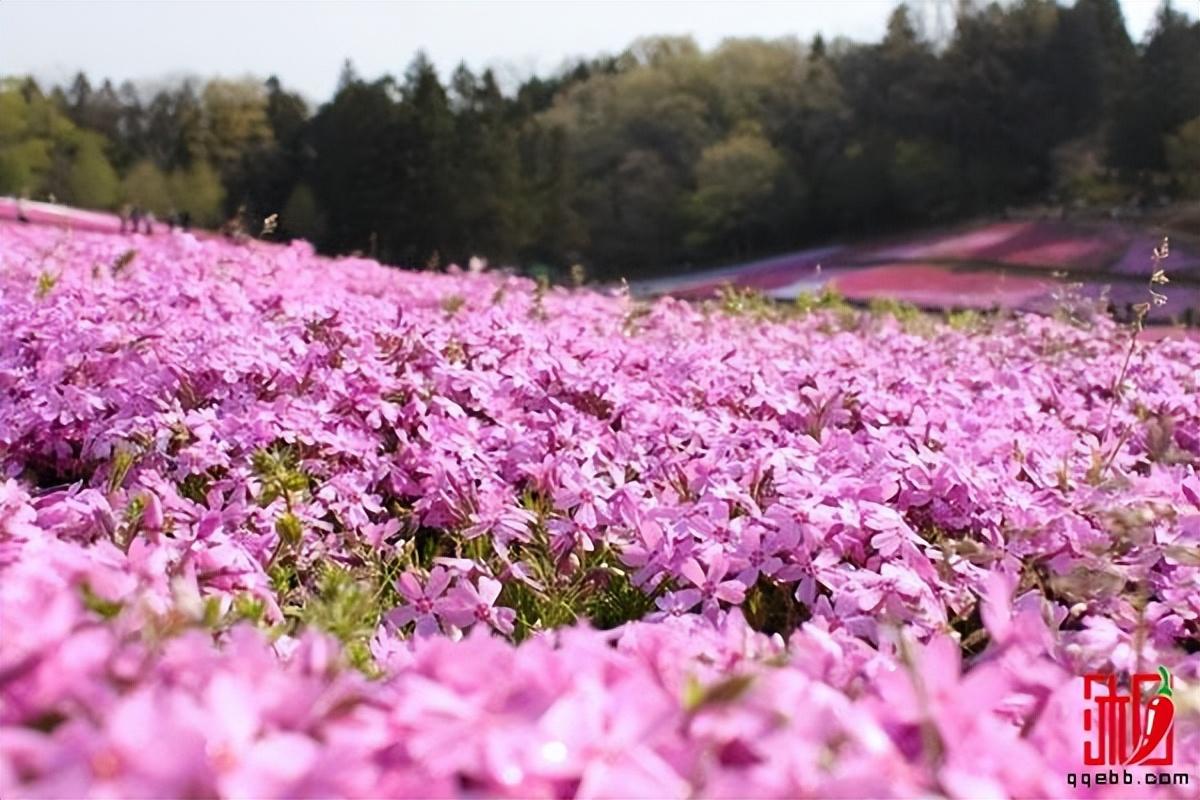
662 158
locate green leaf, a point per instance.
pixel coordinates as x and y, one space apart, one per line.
46 283
99 605
697 696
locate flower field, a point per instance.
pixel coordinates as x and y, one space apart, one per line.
275 525
1026 265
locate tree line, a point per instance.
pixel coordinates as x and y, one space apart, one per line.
664 157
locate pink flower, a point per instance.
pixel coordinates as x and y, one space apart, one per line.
579 491
710 583
424 604
678 603
757 554
469 604
813 573
893 584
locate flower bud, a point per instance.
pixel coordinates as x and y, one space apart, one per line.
289 529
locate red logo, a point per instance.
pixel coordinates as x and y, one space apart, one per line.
1127 730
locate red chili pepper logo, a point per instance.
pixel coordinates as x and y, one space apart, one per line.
1160 715
1122 728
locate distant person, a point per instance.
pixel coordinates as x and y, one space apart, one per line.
21 210
125 213
233 229
150 220
185 220
135 217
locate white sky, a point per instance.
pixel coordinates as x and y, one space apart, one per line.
304 43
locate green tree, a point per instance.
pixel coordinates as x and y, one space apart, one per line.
1164 94
197 190
558 233
1117 54
423 230
236 119
22 165
147 186
924 178
1000 101
357 174
488 208
301 216
1183 157
43 153
735 180
91 181
238 139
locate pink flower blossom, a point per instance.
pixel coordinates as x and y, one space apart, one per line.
469 604
424 604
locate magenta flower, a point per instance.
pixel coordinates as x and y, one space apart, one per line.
812 573
711 583
504 524
425 604
580 493
893 585
469 604
675 604
758 554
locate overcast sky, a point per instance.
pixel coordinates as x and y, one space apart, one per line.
304 43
